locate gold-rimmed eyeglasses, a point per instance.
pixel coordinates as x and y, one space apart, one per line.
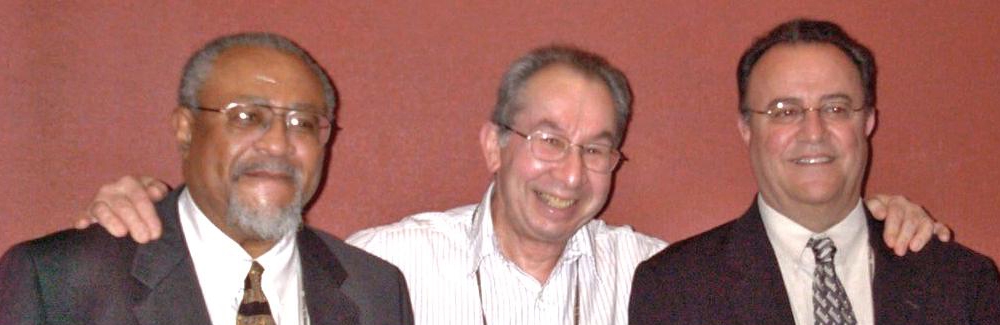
791 113
257 117
550 147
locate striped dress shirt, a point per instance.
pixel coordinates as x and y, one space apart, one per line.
440 253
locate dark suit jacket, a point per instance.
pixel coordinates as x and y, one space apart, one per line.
89 277
730 275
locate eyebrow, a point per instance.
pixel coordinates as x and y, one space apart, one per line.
256 100
799 101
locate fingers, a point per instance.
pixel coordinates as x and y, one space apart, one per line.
102 213
156 189
84 221
147 223
125 207
924 231
877 205
943 232
907 229
892 215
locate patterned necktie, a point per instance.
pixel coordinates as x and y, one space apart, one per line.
254 309
830 303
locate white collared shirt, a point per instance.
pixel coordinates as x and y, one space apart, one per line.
440 252
852 261
222 265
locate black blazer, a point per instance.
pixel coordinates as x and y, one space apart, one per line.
730 275
89 277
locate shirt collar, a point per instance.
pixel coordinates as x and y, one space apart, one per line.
791 238
485 244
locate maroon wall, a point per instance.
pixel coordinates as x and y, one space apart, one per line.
86 90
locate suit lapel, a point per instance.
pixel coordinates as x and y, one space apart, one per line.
897 288
170 290
759 296
322 277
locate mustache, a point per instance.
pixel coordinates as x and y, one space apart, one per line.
272 166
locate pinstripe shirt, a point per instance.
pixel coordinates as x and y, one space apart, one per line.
440 253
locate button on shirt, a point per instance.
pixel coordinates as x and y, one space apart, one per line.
440 252
222 265
852 260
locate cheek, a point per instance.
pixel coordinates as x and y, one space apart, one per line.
771 143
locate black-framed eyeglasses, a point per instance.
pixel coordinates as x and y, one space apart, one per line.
257 117
550 147
791 113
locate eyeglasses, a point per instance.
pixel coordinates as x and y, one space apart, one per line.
257 117
549 147
791 113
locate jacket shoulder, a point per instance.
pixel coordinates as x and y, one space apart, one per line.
355 260
692 255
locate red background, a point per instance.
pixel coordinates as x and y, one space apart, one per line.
87 87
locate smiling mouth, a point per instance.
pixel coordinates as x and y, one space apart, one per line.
813 160
554 201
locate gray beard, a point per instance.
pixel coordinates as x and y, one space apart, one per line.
266 223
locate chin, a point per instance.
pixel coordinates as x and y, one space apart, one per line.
267 222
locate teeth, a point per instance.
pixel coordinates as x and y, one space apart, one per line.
555 202
814 160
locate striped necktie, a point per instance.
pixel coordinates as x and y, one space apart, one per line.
830 303
254 309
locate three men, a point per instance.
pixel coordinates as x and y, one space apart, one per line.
807 251
253 121
531 252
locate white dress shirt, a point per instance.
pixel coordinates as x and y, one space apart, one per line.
852 261
440 252
222 265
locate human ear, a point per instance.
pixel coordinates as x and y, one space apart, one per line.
489 142
743 124
182 120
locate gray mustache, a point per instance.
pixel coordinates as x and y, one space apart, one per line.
270 166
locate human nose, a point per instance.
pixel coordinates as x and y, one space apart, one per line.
571 169
812 127
274 138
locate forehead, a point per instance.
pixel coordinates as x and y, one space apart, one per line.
804 71
567 98
260 72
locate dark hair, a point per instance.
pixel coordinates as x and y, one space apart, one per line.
200 64
589 64
809 31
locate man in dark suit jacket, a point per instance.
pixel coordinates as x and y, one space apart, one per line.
89 277
809 169
253 126
730 275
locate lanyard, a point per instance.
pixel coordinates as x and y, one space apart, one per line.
576 291
576 299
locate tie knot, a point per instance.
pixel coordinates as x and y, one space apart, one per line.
253 277
823 248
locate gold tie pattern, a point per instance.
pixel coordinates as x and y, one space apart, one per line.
254 309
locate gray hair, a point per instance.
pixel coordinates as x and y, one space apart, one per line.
200 64
589 64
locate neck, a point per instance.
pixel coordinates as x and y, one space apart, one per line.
256 248
535 258
532 255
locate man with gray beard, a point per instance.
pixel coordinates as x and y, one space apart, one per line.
253 124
